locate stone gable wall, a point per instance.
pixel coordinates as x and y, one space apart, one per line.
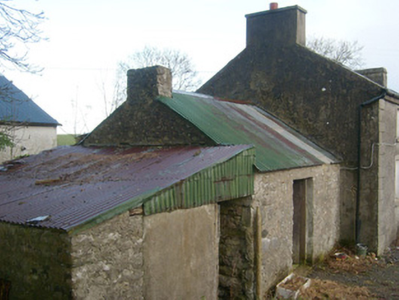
146 124
314 95
321 99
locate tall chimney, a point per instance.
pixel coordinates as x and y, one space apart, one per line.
144 85
277 26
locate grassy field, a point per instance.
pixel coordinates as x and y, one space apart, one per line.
65 139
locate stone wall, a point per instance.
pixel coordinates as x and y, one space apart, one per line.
237 261
386 175
35 261
107 260
310 93
368 197
142 120
181 254
274 196
377 189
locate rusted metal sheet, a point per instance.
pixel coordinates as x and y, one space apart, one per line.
230 180
230 123
78 185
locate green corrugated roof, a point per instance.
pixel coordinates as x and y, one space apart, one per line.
226 180
229 123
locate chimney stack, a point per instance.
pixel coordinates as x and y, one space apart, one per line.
145 85
277 26
378 75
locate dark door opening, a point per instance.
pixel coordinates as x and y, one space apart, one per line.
299 221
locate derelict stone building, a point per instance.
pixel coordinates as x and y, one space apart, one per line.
353 116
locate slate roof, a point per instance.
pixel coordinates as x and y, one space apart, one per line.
70 186
16 106
227 123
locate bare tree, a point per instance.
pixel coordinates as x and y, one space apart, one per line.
183 71
343 52
18 27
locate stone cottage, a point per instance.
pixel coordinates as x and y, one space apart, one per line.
352 114
293 215
119 223
29 127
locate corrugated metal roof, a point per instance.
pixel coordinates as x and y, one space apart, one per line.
230 180
16 106
228 123
76 185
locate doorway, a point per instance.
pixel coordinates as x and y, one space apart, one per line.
302 220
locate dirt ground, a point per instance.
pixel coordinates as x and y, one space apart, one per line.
344 275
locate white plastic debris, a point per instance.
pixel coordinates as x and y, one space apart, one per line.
38 219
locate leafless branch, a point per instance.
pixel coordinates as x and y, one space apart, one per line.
343 52
183 71
18 28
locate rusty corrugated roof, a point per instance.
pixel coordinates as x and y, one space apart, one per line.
230 123
75 185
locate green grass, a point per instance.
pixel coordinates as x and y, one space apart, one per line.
65 139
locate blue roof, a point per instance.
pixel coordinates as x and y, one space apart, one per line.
16 106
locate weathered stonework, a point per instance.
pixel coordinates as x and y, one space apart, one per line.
237 264
36 262
144 121
274 196
377 189
107 260
148 83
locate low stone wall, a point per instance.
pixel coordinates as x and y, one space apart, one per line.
36 262
274 196
107 260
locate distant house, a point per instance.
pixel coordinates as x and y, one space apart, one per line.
29 127
352 114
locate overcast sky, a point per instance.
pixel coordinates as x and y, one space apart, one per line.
87 38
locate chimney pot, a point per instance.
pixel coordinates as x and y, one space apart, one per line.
273 5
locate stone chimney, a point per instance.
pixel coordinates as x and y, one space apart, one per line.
378 75
277 26
144 85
